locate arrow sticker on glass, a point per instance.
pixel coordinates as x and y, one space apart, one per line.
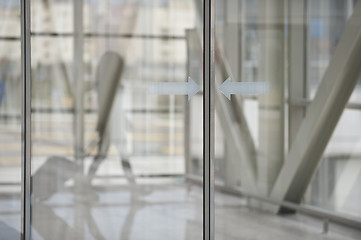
245 88
189 88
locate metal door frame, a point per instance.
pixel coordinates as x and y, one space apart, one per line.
26 120
208 118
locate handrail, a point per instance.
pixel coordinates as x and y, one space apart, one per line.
308 210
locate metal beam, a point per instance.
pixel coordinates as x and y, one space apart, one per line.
235 126
322 115
236 129
236 152
243 162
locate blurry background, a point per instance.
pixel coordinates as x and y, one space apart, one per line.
110 161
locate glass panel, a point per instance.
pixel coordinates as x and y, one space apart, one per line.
335 184
285 135
327 21
10 120
109 155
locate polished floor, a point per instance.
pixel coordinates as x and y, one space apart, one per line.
167 208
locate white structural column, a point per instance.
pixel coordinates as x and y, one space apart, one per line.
322 114
297 56
346 183
239 165
240 151
271 105
78 80
78 114
232 43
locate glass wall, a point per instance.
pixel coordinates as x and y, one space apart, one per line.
121 99
335 185
266 143
10 120
108 155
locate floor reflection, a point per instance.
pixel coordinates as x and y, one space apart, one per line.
162 208
133 211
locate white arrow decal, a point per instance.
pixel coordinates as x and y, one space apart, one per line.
189 88
245 88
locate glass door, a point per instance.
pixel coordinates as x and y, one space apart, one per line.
114 87
179 119
287 134
11 112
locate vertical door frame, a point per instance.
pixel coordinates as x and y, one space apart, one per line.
26 120
208 118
